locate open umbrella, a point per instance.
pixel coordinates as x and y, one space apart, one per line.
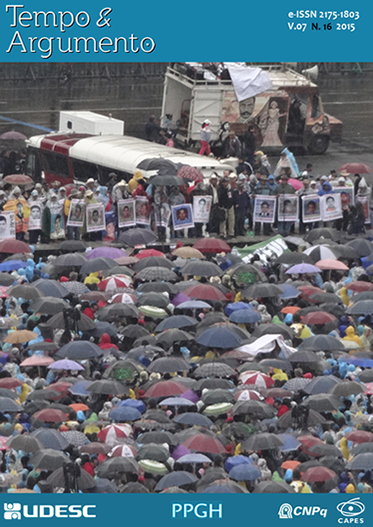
203 443
25 291
333 265
201 268
152 261
49 305
363 307
273 487
66 364
50 288
97 264
107 387
318 474
219 337
49 459
356 168
50 438
318 318
124 413
168 365
204 292
321 342
20 336
83 323
346 388
177 478
213 369
263 441
361 246
83 480
244 472
117 466
137 236
262 291
303 268
151 274
79 350
25 442
70 260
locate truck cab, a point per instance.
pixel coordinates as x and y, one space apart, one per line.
289 114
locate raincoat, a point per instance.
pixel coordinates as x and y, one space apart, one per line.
352 337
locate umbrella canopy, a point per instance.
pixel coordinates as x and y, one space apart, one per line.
75 438
117 466
321 384
168 365
20 336
177 478
356 168
321 342
330 264
264 441
50 438
79 350
322 233
105 252
244 316
188 252
49 415
49 459
256 409
273 487
204 443
83 481
66 364
325 450
25 442
204 292
201 268
107 387
137 236
193 419
244 472
359 436
262 291
361 246
152 261
176 322
123 413
25 291
346 388
50 288
219 337
153 451
214 369
212 246
70 260
151 274
97 264
318 318
322 402
49 305
114 282
84 323
363 307
359 286
303 269
318 474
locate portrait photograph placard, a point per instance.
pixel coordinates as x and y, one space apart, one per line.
126 213
311 208
142 210
265 209
76 213
182 216
202 208
95 215
7 225
288 205
331 207
36 216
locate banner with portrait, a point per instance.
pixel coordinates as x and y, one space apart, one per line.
364 200
311 208
331 207
142 209
264 209
126 212
95 217
21 210
288 207
7 225
182 216
57 225
76 213
347 195
36 216
202 208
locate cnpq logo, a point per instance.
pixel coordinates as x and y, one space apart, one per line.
351 509
15 511
286 511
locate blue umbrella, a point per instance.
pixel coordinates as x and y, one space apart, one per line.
303 268
244 472
244 316
193 418
176 401
230 308
194 304
290 442
362 362
79 350
12 265
220 337
289 291
175 479
80 388
177 321
125 413
133 403
194 458
233 461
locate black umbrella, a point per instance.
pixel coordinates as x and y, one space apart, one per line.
304 356
245 273
322 233
157 163
79 350
362 448
217 396
118 269
105 486
177 478
325 450
43 346
158 437
103 327
319 298
6 279
6 392
175 322
366 375
133 488
25 442
201 268
153 299
169 365
137 236
311 418
150 274
35 406
321 384
273 487
25 291
107 387
70 260
49 305
274 329
363 307
51 288
294 258
117 466
165 180
97 264
9 405
116 312
193 419
264 441
210 319
254 408
74 246
364 295
213 369
49 459
361 247
153 451
333 463
262 291
83 323
281 364
134 331
170 336
47 395
157 287
152 261
321 343
83 480
346 388
219 337
214 383
148 351
322 402
361 462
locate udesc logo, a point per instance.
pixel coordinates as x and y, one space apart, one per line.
15 511
350 511
287 512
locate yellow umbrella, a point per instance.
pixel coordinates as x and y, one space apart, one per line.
20 336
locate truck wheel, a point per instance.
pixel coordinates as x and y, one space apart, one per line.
319 144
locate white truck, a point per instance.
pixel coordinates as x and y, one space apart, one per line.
289 114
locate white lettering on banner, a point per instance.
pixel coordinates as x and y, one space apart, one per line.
199 510
15 511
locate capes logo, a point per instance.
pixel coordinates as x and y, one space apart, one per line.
15 511
350 509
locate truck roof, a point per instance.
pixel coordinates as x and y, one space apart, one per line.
281 76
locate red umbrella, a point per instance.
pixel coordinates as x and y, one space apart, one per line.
308 290
261 380
114 282
360 286
62 387
360 436
204 443
190 173
145 253
112 432
212 245
123 451
50 415
318 474
95 448
123 298
318 317
329 264
356 168
165 389
308 442
248 395
14 246
204 292
10 382
18 179
35 360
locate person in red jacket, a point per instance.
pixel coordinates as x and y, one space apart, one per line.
91 310
90 466
105 342
281 407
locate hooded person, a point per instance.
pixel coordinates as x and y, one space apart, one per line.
326 188
343 325
105 342
107 408
352 337
134 181
264 470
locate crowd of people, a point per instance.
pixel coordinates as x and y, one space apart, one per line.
187 370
